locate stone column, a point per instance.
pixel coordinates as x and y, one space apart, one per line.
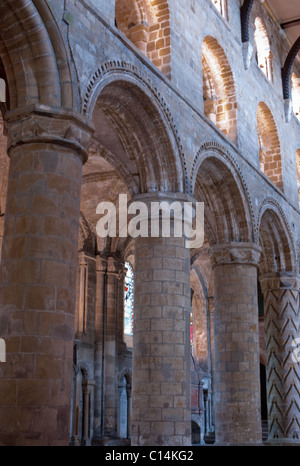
161 405
236 344
38 276
114 271
100 324
282 325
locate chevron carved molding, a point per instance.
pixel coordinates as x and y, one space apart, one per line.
282 325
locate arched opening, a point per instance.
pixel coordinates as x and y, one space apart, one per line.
276 253
137 139
131 153
220 104
227 214
296 95
41 41
227 220
269 145
200 332
147 25
262 49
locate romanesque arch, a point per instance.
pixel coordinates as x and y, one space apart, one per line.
269 145
29 29
219 184
278 252
135 130
220 104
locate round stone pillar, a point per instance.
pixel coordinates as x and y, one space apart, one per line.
236 344
282 325
161 405
38 276
100 326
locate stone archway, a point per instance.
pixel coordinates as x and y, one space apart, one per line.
134 133
234 259
279 279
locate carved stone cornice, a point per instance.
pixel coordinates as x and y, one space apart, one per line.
235 253
39 124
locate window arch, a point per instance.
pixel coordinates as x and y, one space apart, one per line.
262 49
296 95
222 7
220 104
128 304
269 145
146 24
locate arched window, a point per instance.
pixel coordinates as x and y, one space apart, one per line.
222 7
128 304
269 145
296 95
219 96
147 25
262 49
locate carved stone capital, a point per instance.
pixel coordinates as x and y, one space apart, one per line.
41 125
235 253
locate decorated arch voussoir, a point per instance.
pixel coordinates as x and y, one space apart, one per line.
28 29
118 70
214 150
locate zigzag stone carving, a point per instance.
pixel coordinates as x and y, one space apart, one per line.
282 323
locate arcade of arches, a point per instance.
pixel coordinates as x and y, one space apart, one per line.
144 341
